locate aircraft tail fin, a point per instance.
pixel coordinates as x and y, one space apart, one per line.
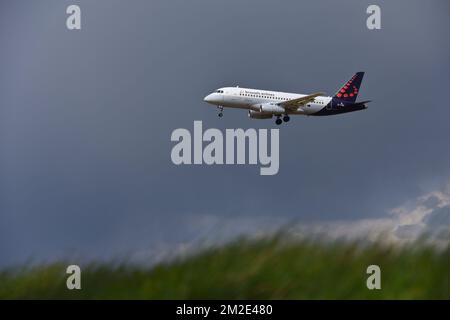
350 90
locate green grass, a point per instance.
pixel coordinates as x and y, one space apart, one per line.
259 269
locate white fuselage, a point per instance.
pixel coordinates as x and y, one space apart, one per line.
252 99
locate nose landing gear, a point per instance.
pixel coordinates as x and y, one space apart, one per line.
220 111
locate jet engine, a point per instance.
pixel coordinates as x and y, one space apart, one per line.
272 108
259 115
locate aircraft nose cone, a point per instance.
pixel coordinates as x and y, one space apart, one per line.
208 98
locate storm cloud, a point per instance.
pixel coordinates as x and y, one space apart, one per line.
86 118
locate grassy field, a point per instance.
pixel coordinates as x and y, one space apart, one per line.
252 269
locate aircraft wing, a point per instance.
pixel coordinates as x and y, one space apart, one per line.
295 103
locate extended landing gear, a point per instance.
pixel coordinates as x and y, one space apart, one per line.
220 111
286 118
278 121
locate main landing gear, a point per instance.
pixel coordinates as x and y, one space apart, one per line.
220 111
286 118
278 121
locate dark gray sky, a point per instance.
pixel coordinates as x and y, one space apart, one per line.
86 118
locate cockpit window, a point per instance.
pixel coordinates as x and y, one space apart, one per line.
219 91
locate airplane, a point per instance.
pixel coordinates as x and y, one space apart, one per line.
263 104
